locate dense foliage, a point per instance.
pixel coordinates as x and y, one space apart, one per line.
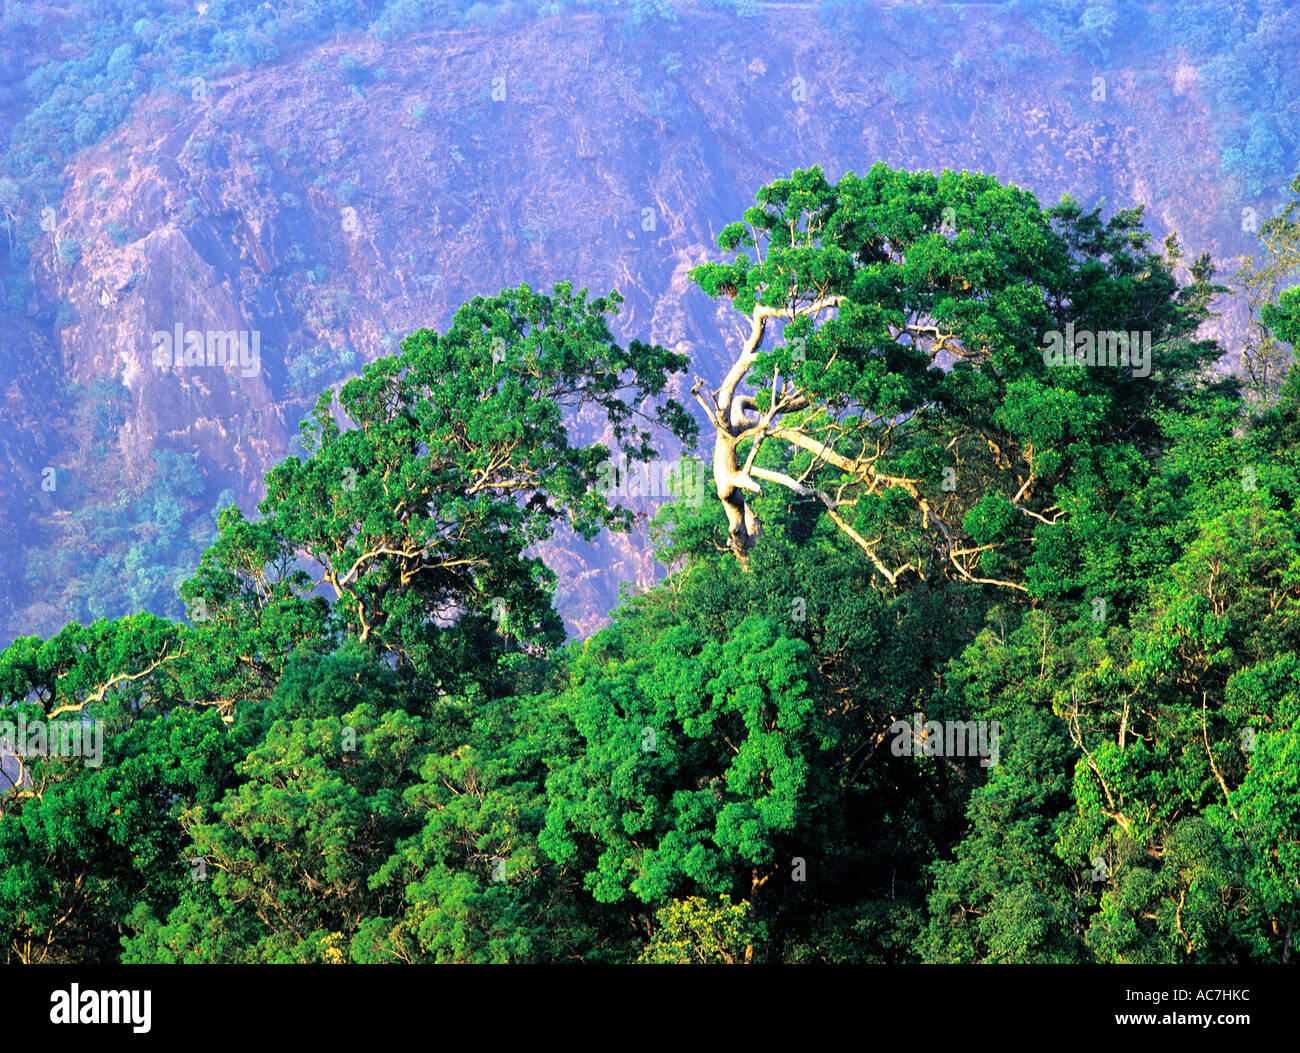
369 742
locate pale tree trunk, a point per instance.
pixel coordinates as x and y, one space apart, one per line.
726 412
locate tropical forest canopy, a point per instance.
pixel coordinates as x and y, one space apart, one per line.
370 742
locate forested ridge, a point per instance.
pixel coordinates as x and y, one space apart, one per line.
370 741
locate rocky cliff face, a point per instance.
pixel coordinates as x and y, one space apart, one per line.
340 197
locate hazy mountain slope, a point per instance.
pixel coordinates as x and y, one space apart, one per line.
346 193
